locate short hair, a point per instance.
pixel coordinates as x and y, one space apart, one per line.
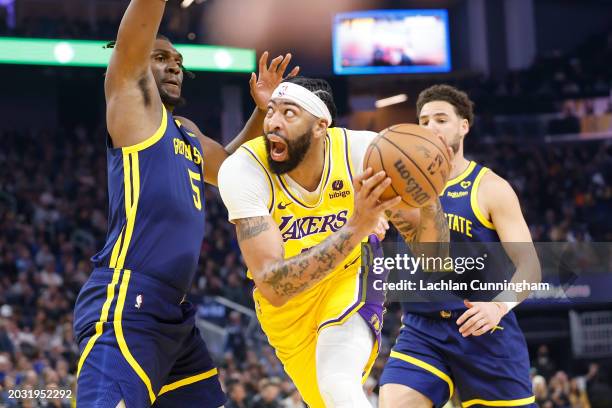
319 87
162 37
464 107
158 36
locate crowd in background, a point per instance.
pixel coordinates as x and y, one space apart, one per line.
583 72
53 218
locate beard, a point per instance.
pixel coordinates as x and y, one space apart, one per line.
171 101
296 150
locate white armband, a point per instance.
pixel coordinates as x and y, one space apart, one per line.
508 298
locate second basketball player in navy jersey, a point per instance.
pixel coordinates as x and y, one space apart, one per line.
474 348
137 336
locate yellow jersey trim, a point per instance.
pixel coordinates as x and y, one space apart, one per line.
474 201
327 171
151 140
110 294
427 367
131 182
179 124
117 248
187 381
460 177
272 195
500 403
125 350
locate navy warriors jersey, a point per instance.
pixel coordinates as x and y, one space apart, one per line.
472 235
460 203
156 206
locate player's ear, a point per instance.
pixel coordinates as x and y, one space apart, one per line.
464 127
320 129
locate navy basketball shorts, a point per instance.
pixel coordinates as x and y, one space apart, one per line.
433 358
139 343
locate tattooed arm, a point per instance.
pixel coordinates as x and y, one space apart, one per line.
280 279
425 230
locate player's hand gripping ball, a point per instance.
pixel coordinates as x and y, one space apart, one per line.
417 162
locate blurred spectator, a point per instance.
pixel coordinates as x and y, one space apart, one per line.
540 390
294 400
268 397
236 395
543 364
236 342
569 123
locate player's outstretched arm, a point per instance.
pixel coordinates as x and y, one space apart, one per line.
134 107
280 279
134 43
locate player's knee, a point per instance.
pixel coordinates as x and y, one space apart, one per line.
396 395
340 390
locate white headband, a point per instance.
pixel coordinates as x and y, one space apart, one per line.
306 99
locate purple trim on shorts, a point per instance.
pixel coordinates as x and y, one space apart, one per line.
371 300
350 309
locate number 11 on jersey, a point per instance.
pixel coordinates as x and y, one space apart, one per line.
193 178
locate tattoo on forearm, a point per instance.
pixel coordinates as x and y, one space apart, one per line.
247 228
434 218
289 277
430 236
407 229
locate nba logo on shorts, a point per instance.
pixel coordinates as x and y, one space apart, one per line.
138 302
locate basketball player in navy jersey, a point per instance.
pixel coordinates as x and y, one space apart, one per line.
137 336
474 347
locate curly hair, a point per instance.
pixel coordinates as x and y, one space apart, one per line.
319 87
464 107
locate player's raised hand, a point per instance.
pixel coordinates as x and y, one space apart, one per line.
269 77
369 209
480 318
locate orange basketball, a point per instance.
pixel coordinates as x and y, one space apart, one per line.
416 160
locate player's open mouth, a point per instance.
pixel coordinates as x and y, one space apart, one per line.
279 150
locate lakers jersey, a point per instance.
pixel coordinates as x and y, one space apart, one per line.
156 206
305 224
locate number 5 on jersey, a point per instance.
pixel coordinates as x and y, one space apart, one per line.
193 177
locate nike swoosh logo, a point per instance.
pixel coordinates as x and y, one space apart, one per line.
282 206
